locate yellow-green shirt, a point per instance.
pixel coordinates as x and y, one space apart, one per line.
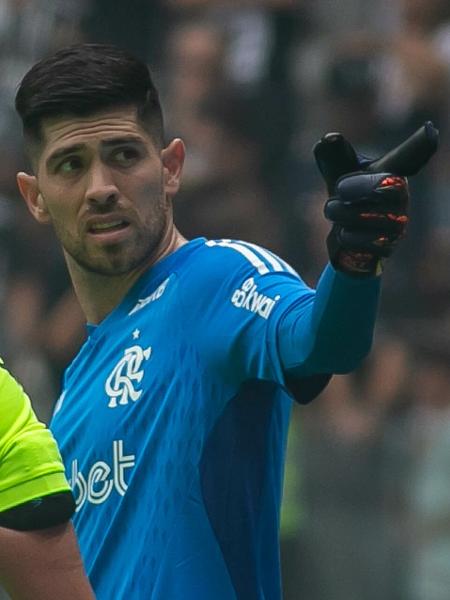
30 462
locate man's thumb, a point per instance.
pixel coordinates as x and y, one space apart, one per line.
335 157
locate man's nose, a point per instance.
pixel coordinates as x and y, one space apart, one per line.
101 189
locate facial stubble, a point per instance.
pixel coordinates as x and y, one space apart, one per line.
123 257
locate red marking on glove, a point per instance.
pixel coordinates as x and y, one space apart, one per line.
397 218
381 241
370 215
358 262
393 181
389 216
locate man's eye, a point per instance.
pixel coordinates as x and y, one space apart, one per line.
125 156
69 165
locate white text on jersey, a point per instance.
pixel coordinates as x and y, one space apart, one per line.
101 479
249 298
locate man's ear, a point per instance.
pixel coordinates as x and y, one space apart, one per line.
173 159
29 189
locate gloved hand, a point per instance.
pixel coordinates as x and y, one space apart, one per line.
368 199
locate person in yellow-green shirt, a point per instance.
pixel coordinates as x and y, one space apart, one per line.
39 556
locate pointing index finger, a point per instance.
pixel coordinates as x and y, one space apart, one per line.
411 155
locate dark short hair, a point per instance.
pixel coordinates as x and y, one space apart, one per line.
84 79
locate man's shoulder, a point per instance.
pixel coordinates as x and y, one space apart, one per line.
230 259
226 272
14 403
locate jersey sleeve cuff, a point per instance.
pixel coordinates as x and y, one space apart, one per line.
38 487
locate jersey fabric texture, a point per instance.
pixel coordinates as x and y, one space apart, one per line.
174 416
30 463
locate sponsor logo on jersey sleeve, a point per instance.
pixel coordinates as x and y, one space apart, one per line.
248 297
123 381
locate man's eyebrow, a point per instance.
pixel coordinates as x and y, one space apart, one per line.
63 152
117 141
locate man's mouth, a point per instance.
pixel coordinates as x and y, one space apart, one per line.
105 227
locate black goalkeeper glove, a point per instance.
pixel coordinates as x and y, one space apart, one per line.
368 199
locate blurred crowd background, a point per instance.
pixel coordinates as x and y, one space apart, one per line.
251 85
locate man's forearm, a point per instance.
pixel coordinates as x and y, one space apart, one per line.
334 332
43 565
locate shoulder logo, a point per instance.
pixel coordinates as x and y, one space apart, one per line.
142 302
248 297
127 374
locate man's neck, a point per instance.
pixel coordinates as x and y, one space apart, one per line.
99 294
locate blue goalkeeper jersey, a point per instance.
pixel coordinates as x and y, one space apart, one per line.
173 418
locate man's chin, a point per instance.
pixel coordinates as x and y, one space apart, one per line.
112 268
111 265
114 259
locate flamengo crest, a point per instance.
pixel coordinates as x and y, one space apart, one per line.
126 375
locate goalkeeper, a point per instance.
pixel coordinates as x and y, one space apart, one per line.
39 557
176 408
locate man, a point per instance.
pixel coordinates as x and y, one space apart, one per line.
173 418
39 556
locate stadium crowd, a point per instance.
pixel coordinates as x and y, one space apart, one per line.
250 86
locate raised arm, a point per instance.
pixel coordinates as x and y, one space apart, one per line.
368 208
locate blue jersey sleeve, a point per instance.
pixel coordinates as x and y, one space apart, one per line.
258 319
330 331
